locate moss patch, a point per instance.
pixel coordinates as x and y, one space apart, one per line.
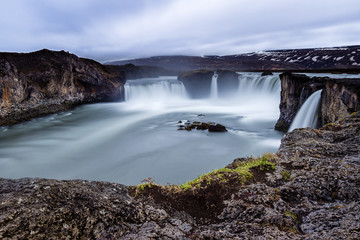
203 197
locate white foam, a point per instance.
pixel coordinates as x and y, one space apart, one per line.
307 115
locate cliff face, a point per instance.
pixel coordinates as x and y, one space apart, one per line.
295 89
313 193
340 98
44 82
198 83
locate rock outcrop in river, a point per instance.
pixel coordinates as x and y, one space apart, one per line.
312 192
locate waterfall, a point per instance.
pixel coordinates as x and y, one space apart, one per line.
214 87
308 114
154 89
248 82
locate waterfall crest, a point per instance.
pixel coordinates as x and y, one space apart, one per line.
153 89
307 115
255 83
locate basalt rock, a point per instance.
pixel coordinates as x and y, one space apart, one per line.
228 82
313 193
295 89
44 82
340 97
198 82
217 128
266 73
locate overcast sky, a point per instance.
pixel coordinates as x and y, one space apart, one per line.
121 29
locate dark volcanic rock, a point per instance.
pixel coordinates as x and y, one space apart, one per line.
295 89
227 82
45 82
197 83
266 73
217 128
313 193
340 98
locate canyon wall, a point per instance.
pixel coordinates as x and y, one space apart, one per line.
340 97
44 82
295 89
198 82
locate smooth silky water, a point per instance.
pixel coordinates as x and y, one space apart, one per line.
129 141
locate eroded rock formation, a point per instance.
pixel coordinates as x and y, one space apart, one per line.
313 193
295 89
340 97
45 82
198 82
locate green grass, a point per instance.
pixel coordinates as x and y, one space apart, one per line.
286 175
291 215
241 172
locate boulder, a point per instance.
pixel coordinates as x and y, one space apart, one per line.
217 128
203 126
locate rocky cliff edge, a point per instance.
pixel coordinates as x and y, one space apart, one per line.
45 82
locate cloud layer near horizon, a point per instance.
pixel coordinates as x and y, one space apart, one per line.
113 29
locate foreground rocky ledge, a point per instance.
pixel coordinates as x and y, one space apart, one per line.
313 193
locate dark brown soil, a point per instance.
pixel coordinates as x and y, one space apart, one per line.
203 203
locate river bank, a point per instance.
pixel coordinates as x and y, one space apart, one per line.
313 193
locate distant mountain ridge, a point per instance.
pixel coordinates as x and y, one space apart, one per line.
311 59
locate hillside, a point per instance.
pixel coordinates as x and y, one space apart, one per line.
346 59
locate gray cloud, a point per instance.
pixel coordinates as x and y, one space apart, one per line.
114 29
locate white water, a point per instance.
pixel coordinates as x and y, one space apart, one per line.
127 142
255 83
156 89
308 114
214 87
